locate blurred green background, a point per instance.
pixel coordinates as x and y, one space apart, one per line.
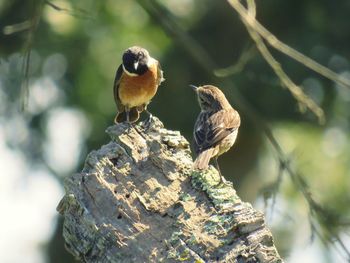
76 48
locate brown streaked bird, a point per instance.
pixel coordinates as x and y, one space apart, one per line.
136 82
216 127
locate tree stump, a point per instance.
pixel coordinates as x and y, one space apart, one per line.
138 200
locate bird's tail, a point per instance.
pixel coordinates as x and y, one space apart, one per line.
134 115
203 159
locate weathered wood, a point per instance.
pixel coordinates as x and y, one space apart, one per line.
138 200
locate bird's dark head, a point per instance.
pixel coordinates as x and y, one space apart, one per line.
211 98
135 61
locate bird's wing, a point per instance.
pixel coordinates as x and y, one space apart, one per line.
160 76
118 76
211 128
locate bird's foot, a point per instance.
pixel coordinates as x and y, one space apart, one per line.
129 126
148 122
223 183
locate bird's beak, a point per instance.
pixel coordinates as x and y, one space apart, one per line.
194 87
136 65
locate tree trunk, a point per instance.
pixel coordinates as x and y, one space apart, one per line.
138 200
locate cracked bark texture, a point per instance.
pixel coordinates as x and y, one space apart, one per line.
138 200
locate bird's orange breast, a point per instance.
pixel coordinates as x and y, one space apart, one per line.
138 90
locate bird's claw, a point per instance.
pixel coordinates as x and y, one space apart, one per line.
222 182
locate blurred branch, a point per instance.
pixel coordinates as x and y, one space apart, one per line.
31 25
247 54
318 213
160 14
287 50
15 28
303 100
270 191
76 12
34 21
164 18
315 209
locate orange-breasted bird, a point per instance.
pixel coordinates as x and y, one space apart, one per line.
216 127
136 82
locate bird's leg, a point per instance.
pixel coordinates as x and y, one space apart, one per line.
127 113
148 121
149 117
131 124
216 164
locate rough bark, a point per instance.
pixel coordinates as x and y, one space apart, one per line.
138 200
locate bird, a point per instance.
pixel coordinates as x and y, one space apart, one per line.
136 83
216 128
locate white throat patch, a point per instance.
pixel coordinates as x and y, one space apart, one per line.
129 73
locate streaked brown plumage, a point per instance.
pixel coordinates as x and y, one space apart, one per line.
136 82
216 127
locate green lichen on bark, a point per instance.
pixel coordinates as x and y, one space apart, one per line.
137 199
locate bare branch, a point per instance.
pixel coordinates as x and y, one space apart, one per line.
303 100
287 50
245 57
